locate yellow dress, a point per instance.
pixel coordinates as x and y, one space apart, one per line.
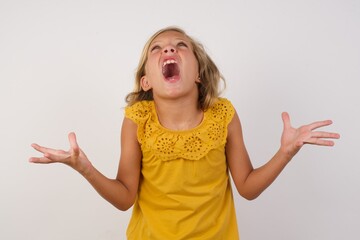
184 191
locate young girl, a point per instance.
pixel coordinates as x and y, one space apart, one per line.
179 141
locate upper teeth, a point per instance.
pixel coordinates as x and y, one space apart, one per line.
169 61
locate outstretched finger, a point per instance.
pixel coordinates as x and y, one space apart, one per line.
320 142
42 149
42 160
320 134
319 124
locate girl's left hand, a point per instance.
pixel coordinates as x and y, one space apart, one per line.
293 139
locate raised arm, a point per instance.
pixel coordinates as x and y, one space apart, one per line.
121 192
251 182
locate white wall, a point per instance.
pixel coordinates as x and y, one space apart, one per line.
67 66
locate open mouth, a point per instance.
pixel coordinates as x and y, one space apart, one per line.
170 70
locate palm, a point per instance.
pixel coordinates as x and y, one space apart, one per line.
293 139
74 157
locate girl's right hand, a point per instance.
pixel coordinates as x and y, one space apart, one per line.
74 158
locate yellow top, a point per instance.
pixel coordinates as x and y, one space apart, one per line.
184 190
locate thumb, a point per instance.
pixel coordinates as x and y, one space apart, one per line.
286 119
73 144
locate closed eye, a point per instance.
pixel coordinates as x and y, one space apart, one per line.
155 47
182 44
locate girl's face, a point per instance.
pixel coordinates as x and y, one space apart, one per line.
171 69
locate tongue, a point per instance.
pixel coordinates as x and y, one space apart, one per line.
170 71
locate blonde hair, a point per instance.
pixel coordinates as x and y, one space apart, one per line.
209 74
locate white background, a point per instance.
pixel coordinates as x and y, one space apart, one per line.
67 66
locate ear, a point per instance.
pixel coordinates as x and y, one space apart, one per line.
198 79
145 85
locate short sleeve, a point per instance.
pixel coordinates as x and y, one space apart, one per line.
138 112
223 111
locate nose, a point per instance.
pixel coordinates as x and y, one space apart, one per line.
169 49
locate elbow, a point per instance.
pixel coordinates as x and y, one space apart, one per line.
124 204
249 192
124 207
249 195
127 201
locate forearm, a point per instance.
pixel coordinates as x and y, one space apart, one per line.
261 178
251 182
112 190
121 192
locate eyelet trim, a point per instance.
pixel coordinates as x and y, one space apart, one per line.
191 144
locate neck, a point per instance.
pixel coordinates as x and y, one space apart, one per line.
179 114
